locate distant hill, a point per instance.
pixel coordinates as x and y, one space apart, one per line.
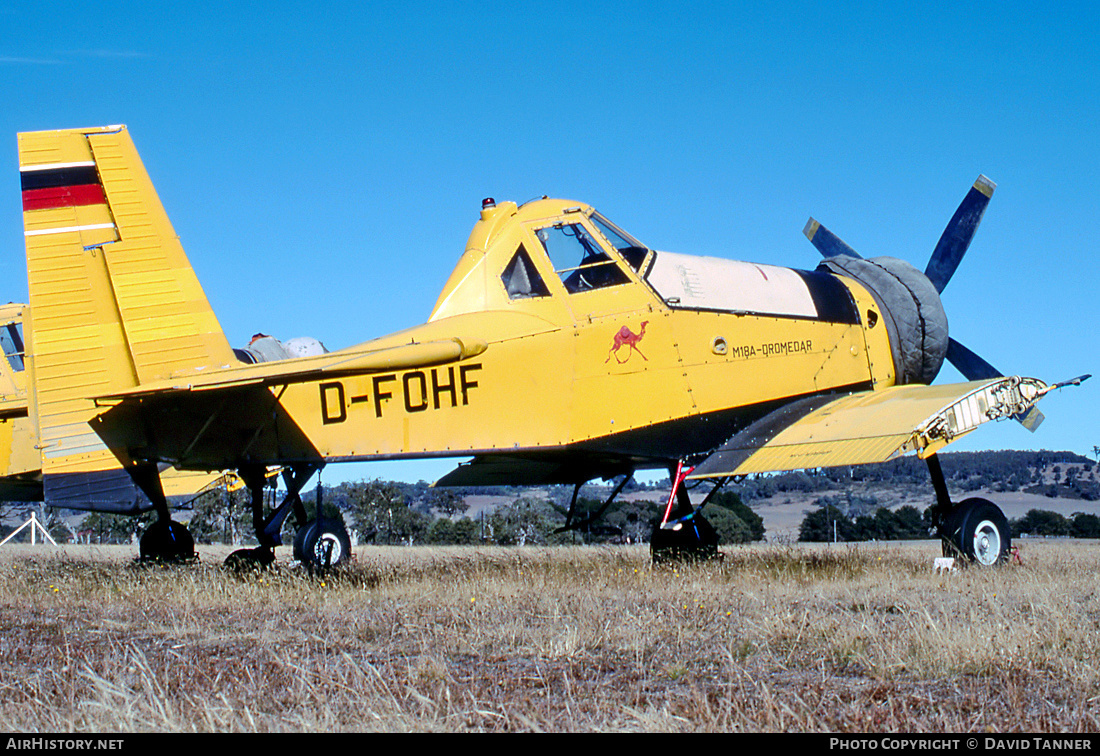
1051 474
1017 481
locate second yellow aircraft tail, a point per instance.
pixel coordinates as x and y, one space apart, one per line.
114 298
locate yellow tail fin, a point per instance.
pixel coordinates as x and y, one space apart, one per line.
114 300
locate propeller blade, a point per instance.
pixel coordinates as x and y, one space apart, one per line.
827 243
974 368
957 236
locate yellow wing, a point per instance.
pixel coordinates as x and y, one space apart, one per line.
869 426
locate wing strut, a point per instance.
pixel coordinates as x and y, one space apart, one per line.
570 525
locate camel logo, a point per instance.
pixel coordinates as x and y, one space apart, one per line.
626 337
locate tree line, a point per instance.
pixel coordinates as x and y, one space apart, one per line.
394 513
1072 476
390 512
857 517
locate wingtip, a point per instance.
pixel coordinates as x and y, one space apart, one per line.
811 228
1072 381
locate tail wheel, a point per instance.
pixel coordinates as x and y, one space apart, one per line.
322 543
166 541
977 530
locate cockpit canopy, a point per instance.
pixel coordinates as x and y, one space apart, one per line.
579 260
548 249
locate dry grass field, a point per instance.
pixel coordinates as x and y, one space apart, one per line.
801 638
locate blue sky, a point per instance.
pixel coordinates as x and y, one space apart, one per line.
323 165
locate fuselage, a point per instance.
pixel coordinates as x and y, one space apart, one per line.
595 343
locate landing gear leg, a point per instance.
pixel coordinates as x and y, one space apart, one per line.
683 534
165 540
268 529
974 530
263 555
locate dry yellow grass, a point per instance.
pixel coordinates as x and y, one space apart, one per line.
804 638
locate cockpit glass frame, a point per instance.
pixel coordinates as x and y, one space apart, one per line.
564 243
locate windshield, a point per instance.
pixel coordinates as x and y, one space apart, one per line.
578 259
632 250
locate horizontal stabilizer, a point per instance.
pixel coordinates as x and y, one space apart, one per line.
343 363
114 491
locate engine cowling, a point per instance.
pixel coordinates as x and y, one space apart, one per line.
911 309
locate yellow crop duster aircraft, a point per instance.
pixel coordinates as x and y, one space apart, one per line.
560 350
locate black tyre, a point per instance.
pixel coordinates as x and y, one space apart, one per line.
250 560
977 530
166 541
322 543
694 540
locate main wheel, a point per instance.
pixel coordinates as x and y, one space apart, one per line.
322 543
977 530
166 541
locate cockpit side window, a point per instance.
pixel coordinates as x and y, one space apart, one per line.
11 339
578 259
521 279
